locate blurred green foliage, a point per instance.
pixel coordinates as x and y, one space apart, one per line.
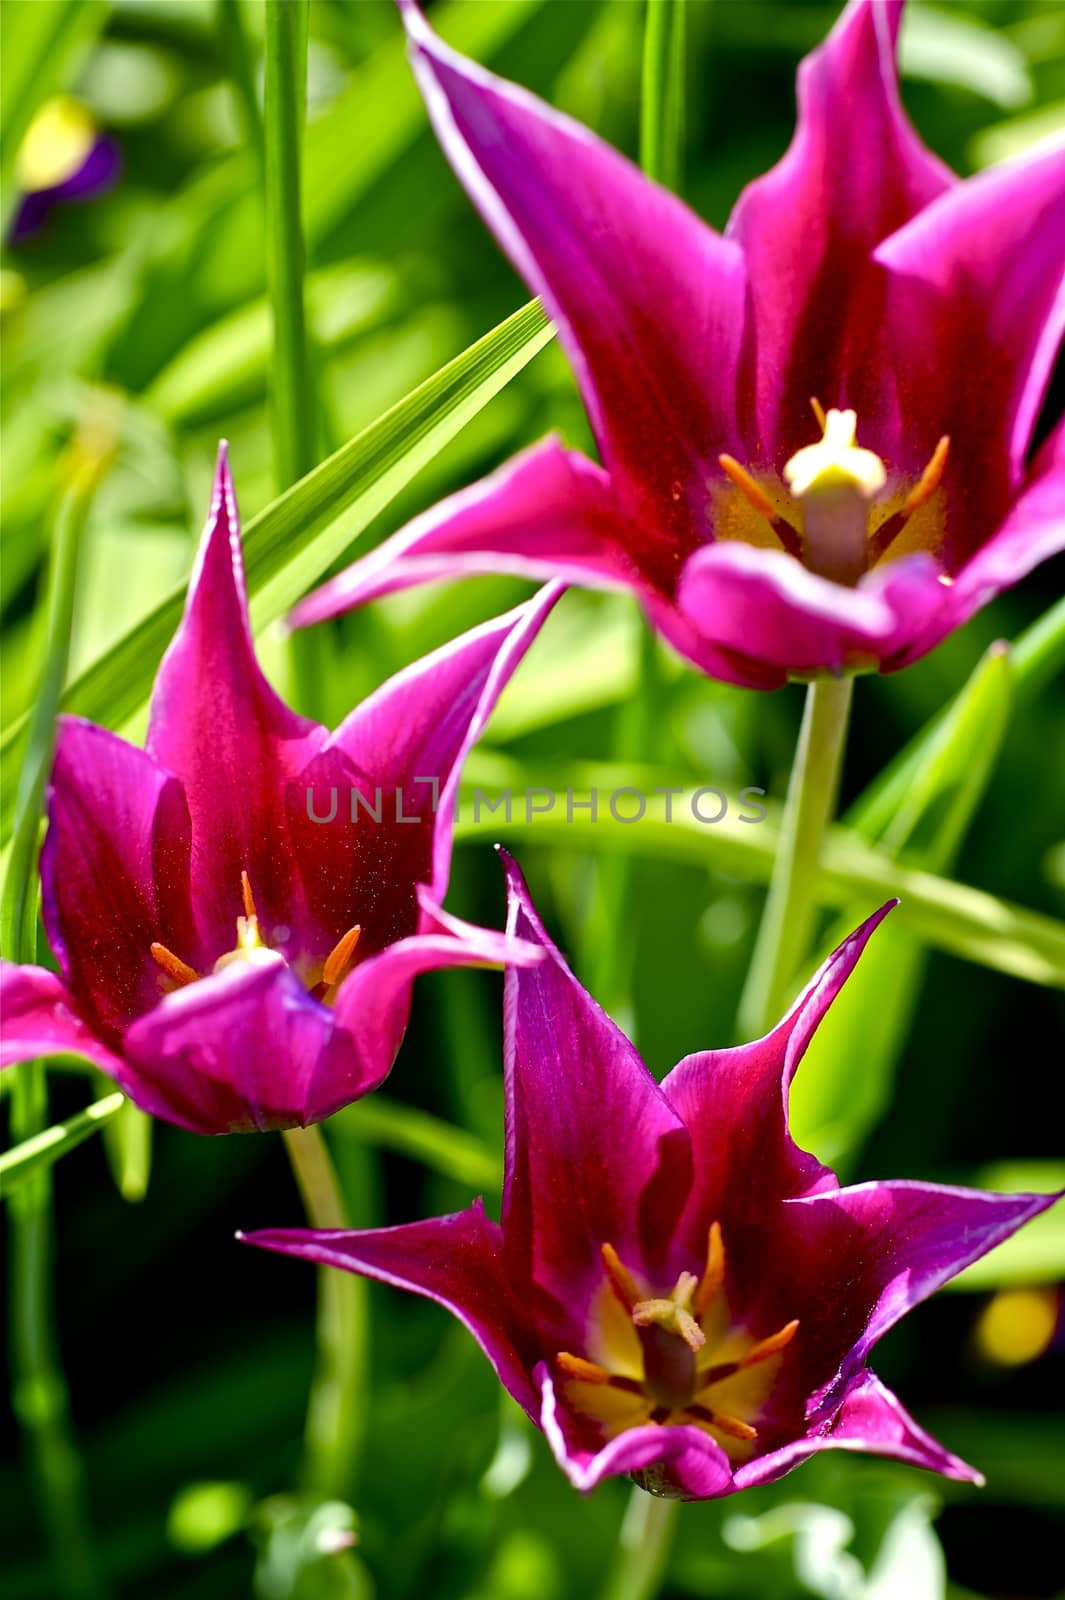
188 1358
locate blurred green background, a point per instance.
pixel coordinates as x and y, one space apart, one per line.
189 1358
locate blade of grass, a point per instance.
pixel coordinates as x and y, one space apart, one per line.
950 916
35 1154
451 1151
290 544
39 1391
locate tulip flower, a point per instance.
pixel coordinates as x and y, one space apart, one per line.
63 157
817 431
239 910
677 1292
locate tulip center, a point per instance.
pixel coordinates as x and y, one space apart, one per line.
673 1358
835 510
251 949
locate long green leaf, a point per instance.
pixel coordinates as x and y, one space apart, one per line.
291 544
36 1154
446 1149
950 916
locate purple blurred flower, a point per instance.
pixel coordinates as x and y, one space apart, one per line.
859 275
63 157
232 961
677 1291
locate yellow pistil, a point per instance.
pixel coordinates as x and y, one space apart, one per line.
834 481
836 461
674 1313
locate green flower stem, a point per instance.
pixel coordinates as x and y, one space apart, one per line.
789 909
293 400
39 1391
334 1413
662 92
643 1548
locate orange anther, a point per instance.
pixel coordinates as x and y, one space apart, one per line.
723 1422
583 1371
337 960
772 1346
249 899
819 411
172 965
621 1279
930 478
713 1278
747 486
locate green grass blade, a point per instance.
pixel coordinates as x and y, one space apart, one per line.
451 1151
36 1154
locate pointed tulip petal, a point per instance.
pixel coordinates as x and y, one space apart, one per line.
891 1245
595 1155
114 873
649 300
402 750
40 1018
854 173
454 1260
871 1419
977 308
234 744
734 1105
678 1462
548 513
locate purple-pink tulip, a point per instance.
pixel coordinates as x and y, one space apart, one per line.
818 431
239 910
677 1291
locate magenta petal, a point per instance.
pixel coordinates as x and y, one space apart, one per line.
648 299
768 605
859 1258
40 1018
114 873
219 727
594 1153
734 1105
1034 530
454 1260
679 1462
854 172
410 739
548 513
870 1419
233 1053
977 307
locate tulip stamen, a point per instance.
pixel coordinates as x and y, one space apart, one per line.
620 1278
172 965
582 1371
248 898
733 1426
713 1279
756 496
764 1350
919 495
819 412
339 958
